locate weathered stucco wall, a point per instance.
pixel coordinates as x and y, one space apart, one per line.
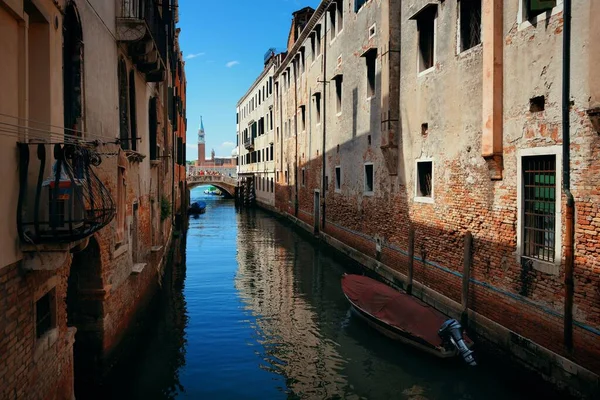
116 274
468 195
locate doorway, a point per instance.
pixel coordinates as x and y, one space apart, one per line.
85 311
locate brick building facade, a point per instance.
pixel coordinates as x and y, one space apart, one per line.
409 126
90 149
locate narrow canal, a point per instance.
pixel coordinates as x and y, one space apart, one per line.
256 311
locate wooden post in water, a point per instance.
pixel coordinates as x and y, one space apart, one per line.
467 260
411 259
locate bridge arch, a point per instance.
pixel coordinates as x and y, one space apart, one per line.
229 192
226 184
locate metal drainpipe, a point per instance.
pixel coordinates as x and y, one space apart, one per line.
324 40
570 214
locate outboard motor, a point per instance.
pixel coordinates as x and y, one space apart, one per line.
452 331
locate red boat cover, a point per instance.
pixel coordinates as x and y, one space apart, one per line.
394 308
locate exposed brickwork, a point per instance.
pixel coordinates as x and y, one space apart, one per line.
447 100
30 367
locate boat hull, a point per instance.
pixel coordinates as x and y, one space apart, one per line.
397 334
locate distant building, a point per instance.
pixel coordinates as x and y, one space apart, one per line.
225 165
256 135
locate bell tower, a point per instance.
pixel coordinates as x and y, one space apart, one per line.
201 144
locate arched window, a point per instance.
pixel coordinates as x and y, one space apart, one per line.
132 111
73 71
123 105
153 128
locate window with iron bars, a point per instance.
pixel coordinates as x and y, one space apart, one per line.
539 205
470 23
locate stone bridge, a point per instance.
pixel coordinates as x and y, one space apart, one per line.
227 184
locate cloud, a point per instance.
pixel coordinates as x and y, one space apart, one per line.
227 144
190 56
231 64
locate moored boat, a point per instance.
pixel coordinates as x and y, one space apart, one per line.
406 319
197 207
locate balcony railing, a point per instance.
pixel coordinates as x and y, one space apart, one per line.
61 199
249 144
141 24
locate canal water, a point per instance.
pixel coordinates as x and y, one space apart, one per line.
255 311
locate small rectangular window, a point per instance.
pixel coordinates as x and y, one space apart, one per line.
271 152
338 94
312 47
371 59
426 28
272 186
44 314
424 179
338 178
537 7
318 107
303 117
539 207
340 15
368 178
537 104
318 44
287 180
332 16
358 4
470 23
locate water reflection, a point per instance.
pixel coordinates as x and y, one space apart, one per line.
262 316
156 353
308 335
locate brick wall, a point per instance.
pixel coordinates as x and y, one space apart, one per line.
31 367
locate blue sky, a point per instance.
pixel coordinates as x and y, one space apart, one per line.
223 44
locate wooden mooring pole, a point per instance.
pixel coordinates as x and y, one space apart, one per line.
467 261
411 259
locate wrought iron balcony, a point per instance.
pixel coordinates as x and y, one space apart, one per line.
249 144
142 26
61 199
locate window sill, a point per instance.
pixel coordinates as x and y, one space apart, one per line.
369 193
134 156
138 268
119 251
44 343
426 200
426 71
340 191
339 114
478 48
546 267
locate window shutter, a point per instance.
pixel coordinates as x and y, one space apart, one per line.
179 151
541 5
170 103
